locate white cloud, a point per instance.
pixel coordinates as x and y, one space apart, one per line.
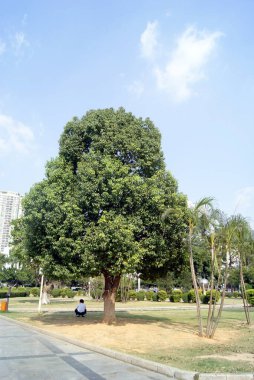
136 88
187 63
15 137
148 40
19 42
24 19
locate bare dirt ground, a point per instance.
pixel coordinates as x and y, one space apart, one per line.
134 337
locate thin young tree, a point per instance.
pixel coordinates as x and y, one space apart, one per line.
243 236
196 214
225 239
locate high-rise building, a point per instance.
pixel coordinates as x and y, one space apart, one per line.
10 209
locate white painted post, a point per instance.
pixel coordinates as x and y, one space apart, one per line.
39 307
139 284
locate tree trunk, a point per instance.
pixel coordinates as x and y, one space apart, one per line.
244 296
216 322
195 285
211 307
109 296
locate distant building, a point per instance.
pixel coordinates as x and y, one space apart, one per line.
10 209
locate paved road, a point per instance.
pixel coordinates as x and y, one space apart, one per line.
27 354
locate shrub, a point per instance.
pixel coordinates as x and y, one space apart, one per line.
149 295
185 297
192 296
18 292
162 295
55 293
250 296
236 294
132 295
70 293
215 296
155 297
35 292
176 295
140 295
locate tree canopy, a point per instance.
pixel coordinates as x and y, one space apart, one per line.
98 211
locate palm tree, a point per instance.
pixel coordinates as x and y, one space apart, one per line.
226 234
244 240
196 215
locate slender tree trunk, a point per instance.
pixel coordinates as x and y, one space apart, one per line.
109 296
195 285
216 322
245 302
211 308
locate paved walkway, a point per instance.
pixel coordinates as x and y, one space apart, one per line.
28 354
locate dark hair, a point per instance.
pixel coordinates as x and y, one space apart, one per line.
81 301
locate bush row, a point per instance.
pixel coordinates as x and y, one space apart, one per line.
17 292
25 292
142 295
175 296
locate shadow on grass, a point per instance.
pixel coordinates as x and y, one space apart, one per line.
67 318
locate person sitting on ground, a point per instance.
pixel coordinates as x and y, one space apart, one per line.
80 309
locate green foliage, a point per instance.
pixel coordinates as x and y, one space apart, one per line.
96 288
162 295
140 295
155 297
176 295
149 295
35 292
70 293
192 296
17 292
66 292
98 210
250 296
62 292
132 295
215 296
55 293
17 276
185 297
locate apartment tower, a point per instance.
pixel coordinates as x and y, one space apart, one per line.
10 209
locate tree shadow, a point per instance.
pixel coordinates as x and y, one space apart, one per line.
124 318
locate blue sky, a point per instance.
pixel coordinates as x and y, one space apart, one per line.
187 65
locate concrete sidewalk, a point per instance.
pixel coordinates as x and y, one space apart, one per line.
27 354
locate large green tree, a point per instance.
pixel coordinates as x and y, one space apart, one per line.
98 211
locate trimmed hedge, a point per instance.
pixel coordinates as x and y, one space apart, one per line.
185 297
215 296
140 295
192 296
250 296
35 292
64 292
176 295
132 295
162 295
149 295
17 292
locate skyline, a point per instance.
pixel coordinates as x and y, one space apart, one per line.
188 67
